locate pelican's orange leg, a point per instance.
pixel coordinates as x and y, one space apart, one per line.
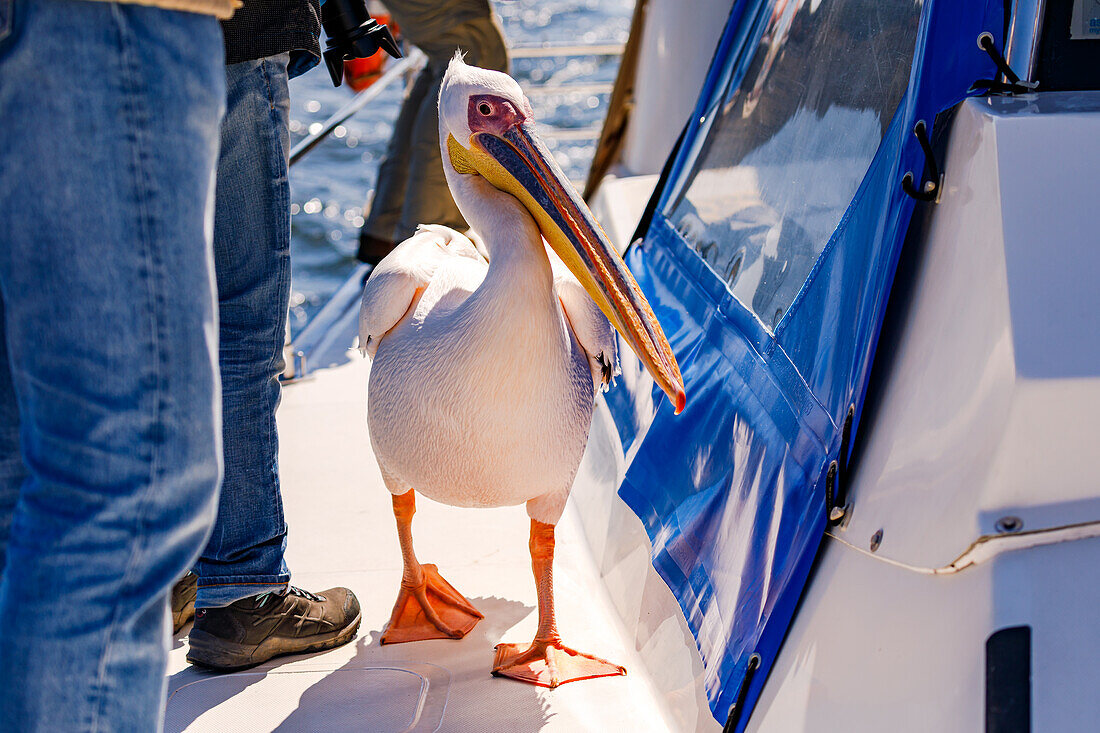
547 662
427 607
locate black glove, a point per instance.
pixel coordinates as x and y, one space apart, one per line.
352 34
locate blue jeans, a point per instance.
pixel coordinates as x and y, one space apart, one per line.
252 258
109 426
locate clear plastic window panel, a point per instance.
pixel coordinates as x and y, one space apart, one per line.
790 145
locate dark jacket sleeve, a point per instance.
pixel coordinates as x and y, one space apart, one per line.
264 28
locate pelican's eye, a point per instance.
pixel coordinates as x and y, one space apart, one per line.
492 113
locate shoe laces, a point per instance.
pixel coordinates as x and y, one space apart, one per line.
296 591
293 590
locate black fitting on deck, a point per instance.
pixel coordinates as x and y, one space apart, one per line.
1012 83
930 189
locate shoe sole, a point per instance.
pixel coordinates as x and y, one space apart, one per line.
207 650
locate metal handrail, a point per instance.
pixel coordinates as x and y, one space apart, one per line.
570 133
414 59
538 52
1024 32
546 89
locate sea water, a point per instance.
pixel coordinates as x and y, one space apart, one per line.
331 185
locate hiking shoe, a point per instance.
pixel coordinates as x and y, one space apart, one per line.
183 601
257 628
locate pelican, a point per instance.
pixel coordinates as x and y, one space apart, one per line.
487 358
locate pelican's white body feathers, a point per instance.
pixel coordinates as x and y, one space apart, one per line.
483 381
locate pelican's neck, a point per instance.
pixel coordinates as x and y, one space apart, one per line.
514 313
517 256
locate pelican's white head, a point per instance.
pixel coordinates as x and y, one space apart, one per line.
486 129
461 83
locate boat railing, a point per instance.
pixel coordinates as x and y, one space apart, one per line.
411 62
551 50
327 336
1024 34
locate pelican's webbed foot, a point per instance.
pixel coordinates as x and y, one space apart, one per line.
550 663
431 610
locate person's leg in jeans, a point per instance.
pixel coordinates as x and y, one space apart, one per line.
111 116
12 471
242 570
252 261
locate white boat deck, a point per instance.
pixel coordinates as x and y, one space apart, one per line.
342 532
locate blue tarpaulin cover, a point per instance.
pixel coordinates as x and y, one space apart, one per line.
771 287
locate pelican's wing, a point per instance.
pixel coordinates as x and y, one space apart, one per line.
590 326
396 281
